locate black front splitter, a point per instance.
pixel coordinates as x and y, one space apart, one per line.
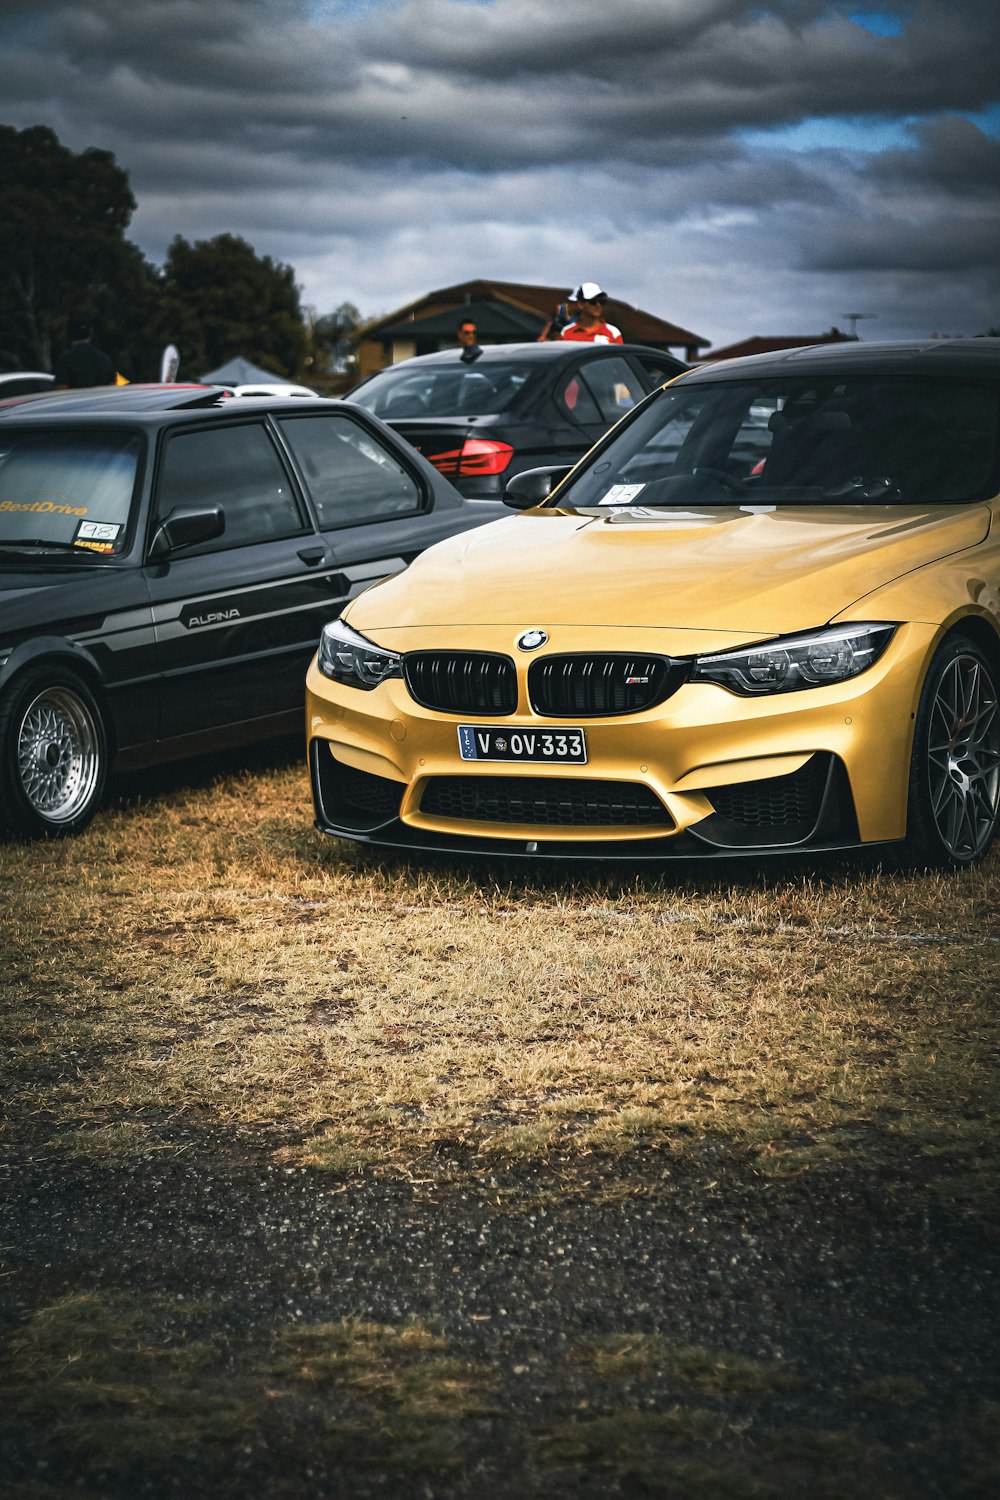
682 847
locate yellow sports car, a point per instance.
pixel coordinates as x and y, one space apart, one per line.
762 614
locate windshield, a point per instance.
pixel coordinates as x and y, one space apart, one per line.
444 390
831 440
70 491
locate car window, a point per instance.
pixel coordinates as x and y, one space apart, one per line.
613 385
351 476
70 488
576 398
835 440
237 467
658 371
432 390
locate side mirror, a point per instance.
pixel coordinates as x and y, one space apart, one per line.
185 526
533 486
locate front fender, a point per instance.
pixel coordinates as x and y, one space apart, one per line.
50 648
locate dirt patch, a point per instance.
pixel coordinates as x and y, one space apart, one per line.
329 1175
208 1322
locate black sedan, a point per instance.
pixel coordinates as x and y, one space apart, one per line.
168 558
514 406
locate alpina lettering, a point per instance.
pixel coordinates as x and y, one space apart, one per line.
215 617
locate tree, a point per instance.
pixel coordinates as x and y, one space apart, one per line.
63 250
334 331
220 299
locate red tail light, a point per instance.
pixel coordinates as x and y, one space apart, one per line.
445 463
483 456
476 456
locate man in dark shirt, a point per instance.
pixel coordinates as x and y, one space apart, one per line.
82 363
467 337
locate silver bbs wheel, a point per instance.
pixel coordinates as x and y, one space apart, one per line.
963 756
59 756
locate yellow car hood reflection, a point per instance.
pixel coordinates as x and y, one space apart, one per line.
758 572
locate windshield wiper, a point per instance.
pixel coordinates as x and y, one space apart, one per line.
36 549
37 542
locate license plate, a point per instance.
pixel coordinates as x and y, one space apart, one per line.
550 746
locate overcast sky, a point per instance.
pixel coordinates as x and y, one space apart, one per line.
735 166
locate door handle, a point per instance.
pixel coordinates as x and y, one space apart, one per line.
312 555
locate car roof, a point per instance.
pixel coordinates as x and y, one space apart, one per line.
143 401
551 349
928 357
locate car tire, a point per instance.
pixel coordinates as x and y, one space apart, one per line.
954 793
53 753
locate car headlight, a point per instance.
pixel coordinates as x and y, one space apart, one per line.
347 657
796 661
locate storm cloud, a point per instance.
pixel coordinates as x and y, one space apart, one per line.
736 167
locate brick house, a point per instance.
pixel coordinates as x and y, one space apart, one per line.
765 344
505 312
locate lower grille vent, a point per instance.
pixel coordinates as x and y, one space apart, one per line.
538 800
352 799
781 802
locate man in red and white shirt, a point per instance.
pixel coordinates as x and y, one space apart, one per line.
589 326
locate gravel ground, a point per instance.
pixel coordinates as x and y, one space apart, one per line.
665 1324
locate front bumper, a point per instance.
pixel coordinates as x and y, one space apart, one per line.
703 775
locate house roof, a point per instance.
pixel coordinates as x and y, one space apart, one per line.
773 344
541 301
493 320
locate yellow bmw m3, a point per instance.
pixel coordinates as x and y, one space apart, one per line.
761 615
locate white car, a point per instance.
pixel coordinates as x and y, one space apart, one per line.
24 383
275 389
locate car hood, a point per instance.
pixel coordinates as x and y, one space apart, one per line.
750 572
37 597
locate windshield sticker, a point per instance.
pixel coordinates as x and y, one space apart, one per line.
97 531
44 507
622 494
94 546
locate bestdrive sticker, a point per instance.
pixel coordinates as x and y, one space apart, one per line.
58 507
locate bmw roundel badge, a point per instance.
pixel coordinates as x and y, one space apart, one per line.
532 639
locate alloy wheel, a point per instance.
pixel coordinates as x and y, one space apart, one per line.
963 757
58 755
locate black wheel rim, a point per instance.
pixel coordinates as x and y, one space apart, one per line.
963 757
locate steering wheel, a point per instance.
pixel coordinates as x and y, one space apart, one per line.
860 487
729 482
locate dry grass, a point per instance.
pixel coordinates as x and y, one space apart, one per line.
126 1387
202 969
630 1356
121 1383
207 958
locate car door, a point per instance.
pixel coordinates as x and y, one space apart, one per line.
236 618
373 506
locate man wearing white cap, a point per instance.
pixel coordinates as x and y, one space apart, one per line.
589 326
